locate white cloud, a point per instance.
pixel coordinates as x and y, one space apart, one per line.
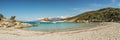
64 16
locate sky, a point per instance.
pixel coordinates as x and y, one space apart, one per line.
36 9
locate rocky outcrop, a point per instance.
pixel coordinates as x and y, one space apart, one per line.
12 23
46 19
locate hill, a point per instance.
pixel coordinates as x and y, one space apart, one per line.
102 15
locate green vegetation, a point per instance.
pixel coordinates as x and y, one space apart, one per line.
103 15
1 16
12 18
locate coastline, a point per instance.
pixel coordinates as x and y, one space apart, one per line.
104 31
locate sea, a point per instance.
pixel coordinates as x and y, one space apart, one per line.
57 26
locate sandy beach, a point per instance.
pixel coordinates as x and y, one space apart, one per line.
104 31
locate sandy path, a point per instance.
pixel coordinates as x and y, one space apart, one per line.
111 31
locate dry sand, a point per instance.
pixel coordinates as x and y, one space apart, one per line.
105 31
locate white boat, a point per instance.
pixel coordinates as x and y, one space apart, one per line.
54 22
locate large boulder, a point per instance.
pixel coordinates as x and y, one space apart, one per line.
22 25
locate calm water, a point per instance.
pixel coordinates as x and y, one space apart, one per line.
50 26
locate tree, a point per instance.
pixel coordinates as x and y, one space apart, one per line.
12 18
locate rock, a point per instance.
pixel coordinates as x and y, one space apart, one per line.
22 25
12 23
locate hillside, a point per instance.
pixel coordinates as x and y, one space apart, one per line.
102 15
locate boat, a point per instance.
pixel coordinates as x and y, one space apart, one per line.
54 22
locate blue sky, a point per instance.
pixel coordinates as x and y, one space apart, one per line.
34 9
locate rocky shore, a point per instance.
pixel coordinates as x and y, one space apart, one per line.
11 23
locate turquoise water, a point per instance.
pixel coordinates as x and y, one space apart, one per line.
58 26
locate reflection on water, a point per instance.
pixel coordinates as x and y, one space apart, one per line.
58 26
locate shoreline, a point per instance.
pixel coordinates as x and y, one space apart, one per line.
104 28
